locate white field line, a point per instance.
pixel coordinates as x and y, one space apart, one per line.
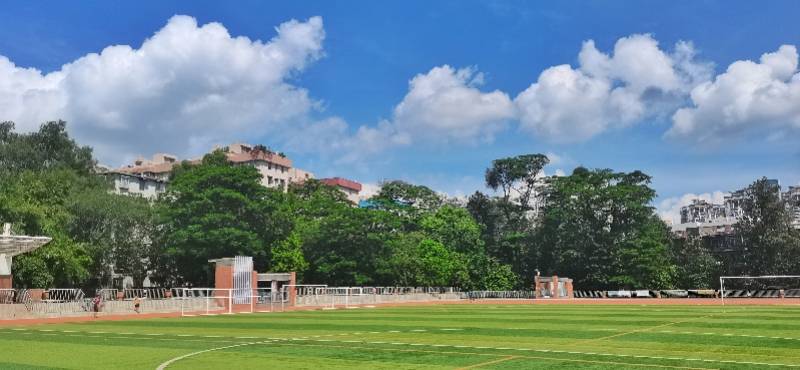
173 360
724 334
771 364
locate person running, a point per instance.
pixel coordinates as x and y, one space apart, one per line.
97 302
136 304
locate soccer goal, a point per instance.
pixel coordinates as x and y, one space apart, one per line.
766 286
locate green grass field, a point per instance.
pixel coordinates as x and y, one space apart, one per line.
425 337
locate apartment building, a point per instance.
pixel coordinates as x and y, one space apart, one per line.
145 178
792 199
702 218
275 168
148 178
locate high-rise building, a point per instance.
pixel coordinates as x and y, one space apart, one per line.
792 200
702 218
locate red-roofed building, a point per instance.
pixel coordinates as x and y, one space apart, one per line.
348 187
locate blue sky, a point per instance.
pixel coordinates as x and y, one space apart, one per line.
352 69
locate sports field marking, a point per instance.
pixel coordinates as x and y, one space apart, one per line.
574 352
176 359
649 328
616 363
487 363
724 334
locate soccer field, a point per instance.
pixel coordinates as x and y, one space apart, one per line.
424 337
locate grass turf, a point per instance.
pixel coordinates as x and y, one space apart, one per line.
425 337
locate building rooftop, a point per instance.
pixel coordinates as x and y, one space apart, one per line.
342 182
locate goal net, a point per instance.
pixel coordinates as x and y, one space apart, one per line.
767 286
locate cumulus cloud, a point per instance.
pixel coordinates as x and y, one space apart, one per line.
761 97
446 104
607 91
443 105
333 138
184 88
669 209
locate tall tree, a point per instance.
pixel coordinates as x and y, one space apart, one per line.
49 148
697 266
517 177
509 221
407 200
118 231
598 227
214 210
36 203
771 246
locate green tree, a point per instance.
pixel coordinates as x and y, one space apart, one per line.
287 256
599 228
771 246
407 200
508 222
36 203
49 148
517 177
697 266
118 231
214 210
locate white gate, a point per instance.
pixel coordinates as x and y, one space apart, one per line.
242 279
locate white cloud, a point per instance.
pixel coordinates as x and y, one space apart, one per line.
761 97
555 159
333 138
445 104
608 91
669 209
184 88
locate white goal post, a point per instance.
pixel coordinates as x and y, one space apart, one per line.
765 277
